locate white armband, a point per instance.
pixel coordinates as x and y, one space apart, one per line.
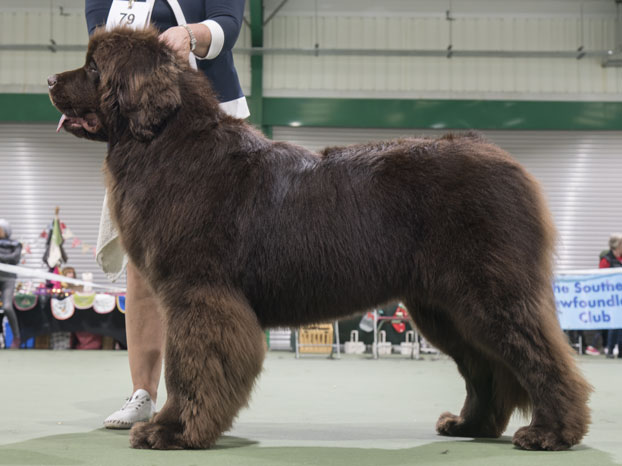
218 40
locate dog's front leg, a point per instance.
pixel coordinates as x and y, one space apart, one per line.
214 352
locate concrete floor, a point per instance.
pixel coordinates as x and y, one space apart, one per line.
312 411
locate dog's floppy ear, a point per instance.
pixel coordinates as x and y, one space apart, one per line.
142 86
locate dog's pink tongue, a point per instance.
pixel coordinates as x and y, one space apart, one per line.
60 122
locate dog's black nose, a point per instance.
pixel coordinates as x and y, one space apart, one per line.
52 80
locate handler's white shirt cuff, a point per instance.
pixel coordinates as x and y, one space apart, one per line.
237 108
218 40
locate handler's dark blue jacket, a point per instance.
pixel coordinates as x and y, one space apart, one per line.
223 17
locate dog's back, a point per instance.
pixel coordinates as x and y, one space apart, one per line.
363 224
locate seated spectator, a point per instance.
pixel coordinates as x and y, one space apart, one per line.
70 272
10 253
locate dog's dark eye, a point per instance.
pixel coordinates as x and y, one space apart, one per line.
92 67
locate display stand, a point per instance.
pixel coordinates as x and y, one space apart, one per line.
335 352
415 352
417 347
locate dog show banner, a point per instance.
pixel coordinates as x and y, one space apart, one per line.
589 300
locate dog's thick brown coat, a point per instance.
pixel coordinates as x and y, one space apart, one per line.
236 233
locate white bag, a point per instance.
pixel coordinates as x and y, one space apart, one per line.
384 346
354 346
406 347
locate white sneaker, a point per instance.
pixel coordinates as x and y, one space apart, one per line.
139 407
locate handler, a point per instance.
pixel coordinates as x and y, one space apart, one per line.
211 31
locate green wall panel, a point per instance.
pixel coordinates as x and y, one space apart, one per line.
388 113
27 108
459 114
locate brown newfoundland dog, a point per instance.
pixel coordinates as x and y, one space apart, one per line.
236 233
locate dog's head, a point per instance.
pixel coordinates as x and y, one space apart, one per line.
129 82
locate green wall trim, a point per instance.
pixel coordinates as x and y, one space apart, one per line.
439 114
256 97
387 113
27 108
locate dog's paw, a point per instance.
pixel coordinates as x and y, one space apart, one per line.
451 425
457 426
539 438
155 436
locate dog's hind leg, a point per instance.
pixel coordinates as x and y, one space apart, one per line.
214 352
538 353
522 336
492 391
492 395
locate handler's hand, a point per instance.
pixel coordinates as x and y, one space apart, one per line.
178 39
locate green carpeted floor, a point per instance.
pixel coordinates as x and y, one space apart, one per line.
312 411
